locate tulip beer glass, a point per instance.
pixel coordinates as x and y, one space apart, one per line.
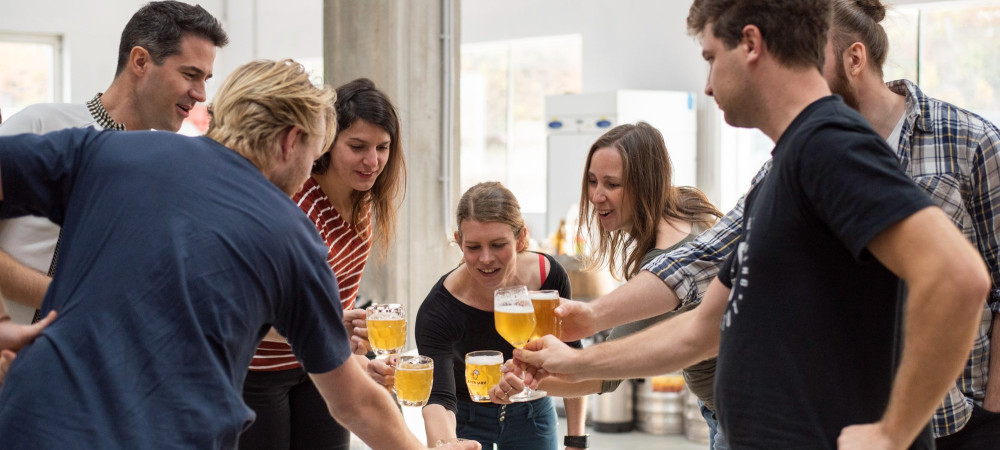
515 321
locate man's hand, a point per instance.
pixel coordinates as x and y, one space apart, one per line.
6 357
460 445
872 436
545 357
14 336
383 371
357 328
578 319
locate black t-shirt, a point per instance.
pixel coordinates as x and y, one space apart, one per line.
447 329
809 337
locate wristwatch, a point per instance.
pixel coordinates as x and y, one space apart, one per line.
577 441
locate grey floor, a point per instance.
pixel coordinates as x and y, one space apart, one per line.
610 441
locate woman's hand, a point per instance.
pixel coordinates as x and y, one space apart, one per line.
355 320
510 383
383 371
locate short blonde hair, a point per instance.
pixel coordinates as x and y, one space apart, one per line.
261 99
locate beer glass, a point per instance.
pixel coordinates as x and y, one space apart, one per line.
414 378
546 321
386 329
482 371
515 321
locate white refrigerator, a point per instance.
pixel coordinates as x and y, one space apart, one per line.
575 121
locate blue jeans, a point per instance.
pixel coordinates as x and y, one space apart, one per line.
519 426
716 440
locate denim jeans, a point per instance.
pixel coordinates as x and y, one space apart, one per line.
716 440
519 426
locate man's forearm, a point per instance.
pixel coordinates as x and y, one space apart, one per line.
439 423
665 347
668 346
365 408
21 283
939 329
992 401
645 295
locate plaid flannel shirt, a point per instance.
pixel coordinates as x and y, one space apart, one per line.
950 153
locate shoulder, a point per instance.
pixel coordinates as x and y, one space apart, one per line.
941 118
308 195
47 117
949 120
832 131
436 297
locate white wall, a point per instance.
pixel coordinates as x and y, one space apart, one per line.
91 31
629 44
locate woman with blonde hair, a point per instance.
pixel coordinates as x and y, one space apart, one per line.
351 197
457 317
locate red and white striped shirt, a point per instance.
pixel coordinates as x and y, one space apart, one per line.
349 249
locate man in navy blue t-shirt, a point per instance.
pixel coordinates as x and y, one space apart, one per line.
808 351
180 253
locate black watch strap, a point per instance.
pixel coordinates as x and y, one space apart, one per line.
577 441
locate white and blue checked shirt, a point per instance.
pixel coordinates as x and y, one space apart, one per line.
950 153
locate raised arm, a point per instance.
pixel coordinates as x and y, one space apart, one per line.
366 409
678 278
947 283
671 345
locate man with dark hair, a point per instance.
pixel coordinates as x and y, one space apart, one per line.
954 155
808 345
166 55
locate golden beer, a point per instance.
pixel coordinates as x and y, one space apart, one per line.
386 329
414 378
546 321
515 324
515 321
482 372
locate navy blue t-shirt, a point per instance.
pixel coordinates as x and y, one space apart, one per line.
176 257
809 336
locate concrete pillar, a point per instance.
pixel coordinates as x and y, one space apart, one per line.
402 46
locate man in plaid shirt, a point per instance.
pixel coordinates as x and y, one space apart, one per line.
949 152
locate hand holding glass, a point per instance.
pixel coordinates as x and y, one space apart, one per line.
514 316
482 371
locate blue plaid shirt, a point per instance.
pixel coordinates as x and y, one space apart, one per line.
953 155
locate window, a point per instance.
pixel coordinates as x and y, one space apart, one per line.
503 89
959 61
948 49
37 75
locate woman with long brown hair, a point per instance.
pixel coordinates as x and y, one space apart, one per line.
351 197
634 213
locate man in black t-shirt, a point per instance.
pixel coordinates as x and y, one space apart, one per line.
808 349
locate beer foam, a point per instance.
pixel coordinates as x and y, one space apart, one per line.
515 309
385 316
545 295
484 360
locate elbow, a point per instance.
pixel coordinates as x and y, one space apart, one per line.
971 282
